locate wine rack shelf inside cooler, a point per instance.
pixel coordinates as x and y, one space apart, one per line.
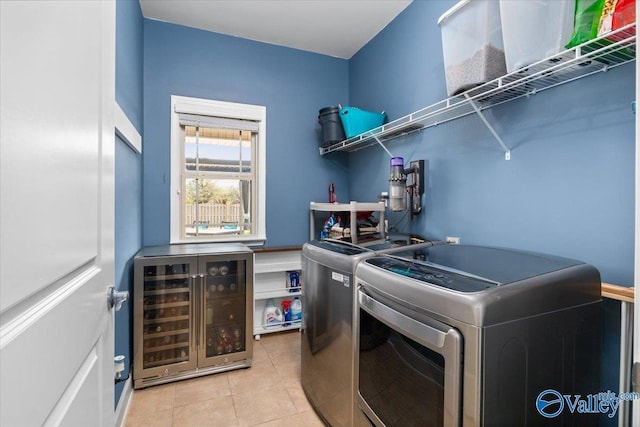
167 315
225 308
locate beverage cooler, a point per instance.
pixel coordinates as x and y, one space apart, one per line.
192 311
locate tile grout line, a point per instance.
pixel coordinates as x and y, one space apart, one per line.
173 404
233 401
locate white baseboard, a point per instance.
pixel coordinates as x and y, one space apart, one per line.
123 404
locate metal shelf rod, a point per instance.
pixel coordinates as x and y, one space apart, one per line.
382 145
507 152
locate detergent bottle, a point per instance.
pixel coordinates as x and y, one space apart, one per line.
286 312
296 310
272 314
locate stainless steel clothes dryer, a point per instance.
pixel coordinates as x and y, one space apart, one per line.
327 352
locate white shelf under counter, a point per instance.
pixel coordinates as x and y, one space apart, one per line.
270 270
277 261
264 329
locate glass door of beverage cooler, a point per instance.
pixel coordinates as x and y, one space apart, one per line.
164 334
226 295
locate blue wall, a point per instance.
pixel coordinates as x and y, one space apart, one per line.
128 179
292 84
568 188
129 60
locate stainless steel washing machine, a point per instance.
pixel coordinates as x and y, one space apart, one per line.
471 336
327 353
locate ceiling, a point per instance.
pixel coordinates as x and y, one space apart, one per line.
336 28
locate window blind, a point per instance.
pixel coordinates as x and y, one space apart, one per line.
217 122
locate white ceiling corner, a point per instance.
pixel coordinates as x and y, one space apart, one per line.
336 28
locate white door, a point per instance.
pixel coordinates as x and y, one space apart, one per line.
57 79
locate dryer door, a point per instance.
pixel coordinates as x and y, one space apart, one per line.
408 371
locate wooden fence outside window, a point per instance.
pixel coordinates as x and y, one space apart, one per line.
214 214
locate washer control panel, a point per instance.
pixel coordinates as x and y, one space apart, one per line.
432 275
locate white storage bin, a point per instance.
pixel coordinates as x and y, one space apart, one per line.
472 44
533 30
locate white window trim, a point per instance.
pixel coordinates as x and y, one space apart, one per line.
182 104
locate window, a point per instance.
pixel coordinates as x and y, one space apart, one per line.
217 171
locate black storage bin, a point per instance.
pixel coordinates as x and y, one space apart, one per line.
332 130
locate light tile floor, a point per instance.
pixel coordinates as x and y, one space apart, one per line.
268 394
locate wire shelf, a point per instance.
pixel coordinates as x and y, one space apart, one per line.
598 55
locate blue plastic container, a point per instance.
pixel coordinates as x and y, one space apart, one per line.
356 121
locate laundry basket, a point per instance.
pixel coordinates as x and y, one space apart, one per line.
356 121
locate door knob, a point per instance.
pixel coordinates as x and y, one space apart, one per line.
116 298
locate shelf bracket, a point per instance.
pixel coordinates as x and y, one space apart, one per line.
382 145
507 152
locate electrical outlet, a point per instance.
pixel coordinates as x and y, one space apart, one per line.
453 240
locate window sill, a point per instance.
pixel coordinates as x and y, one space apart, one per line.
249 241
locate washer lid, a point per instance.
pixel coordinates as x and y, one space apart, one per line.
477 285
396 241
495 265
340 247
